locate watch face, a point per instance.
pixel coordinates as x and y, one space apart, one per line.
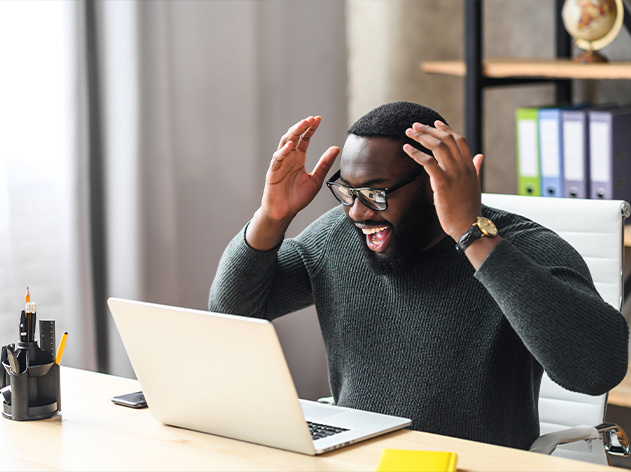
487 227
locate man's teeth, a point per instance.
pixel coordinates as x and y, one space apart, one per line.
373 230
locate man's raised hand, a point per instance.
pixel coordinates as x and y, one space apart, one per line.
454 175
288 186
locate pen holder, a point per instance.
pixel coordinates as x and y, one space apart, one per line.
34 393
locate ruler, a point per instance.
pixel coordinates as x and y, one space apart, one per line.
47 336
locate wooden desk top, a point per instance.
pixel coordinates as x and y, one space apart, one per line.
92 433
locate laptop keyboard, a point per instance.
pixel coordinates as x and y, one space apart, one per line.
319 431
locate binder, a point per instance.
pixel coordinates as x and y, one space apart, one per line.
550 152
527 134
575 153
576 174
408 460
610 153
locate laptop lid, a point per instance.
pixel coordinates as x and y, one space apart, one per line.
227 375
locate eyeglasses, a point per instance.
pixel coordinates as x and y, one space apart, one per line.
373 198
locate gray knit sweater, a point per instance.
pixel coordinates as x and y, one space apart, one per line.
460 352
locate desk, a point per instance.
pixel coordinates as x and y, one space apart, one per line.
92 433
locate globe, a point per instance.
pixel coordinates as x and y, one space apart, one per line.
593 24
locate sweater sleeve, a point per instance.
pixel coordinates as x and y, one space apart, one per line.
262 284
544 289
268 284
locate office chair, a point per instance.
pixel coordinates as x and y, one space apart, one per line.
572 424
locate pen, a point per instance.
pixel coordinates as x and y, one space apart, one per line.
23 326
60 349
28 316
31 324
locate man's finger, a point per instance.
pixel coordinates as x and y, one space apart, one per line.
279 156
477 163
462 143
441 143
325 163
305 138
295 132
428 162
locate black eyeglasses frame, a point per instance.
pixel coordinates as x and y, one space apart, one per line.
406 179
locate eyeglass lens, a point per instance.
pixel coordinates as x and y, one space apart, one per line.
372 198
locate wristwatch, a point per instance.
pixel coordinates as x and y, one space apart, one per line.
482 227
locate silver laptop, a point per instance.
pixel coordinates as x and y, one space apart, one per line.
227 375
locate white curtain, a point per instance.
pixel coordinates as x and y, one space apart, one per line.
196 95
43 209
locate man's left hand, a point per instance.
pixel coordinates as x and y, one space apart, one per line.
454 175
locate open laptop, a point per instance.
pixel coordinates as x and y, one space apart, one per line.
227 375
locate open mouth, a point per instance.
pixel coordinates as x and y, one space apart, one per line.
377 237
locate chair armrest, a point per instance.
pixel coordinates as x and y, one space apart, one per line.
614 439
547 443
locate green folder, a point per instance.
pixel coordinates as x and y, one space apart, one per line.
527 134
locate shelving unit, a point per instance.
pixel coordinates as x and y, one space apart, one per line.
480 73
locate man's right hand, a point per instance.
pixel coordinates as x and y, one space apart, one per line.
288 186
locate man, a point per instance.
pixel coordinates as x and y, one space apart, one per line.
455 339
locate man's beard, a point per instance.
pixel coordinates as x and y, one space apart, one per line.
409 239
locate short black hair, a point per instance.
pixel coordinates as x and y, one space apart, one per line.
392 119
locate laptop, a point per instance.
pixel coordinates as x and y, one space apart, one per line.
227 375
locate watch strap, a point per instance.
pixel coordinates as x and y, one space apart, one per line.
472 234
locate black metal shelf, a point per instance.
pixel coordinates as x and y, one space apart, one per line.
475 81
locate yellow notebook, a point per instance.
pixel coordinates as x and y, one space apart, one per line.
405 460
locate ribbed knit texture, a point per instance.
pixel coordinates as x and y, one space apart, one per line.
459 352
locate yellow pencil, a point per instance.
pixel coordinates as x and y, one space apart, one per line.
62 346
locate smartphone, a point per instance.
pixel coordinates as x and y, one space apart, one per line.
132 400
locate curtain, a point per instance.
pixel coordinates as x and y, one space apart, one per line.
195 96
44 229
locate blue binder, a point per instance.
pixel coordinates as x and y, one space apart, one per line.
551 152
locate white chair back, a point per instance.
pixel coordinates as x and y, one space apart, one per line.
596 230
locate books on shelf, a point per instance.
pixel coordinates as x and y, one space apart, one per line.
580 151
